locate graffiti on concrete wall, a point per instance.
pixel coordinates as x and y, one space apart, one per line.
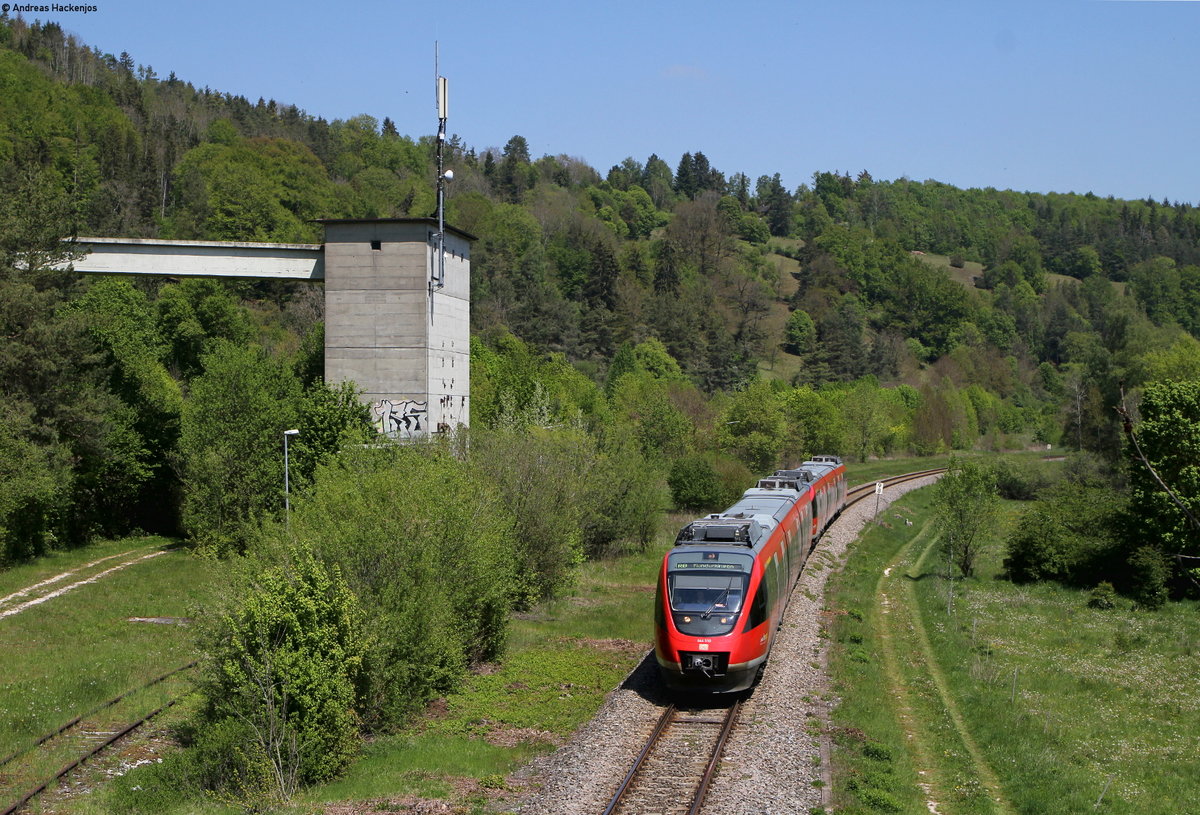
403 418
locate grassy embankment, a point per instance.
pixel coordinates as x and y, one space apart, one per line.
67 655
1003 698
563 658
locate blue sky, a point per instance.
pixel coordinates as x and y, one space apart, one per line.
1060 95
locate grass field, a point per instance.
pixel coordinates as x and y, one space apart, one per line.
965 274
996 698
69 654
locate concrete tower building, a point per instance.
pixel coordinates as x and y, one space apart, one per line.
396 323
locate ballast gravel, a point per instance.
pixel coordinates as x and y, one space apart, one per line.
777 758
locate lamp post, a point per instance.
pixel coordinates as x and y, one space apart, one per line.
287 501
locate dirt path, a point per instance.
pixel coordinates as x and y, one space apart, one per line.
893 617
901 628
139 555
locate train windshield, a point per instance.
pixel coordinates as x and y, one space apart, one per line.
707 593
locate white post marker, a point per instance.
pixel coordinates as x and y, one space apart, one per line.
878 492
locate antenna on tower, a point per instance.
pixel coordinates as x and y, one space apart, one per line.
442 92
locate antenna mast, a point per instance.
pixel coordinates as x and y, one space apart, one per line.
438 279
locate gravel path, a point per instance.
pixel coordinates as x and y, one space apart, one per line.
776 761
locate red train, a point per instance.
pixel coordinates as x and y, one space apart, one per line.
723 587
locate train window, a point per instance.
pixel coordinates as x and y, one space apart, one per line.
772 575
758 606
707 593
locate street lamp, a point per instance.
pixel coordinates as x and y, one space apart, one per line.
287 503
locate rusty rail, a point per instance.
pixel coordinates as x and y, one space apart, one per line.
94 750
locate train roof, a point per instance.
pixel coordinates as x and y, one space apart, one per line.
725 528
761 508
812 470
771 503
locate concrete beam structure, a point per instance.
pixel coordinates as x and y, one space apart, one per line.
405 343
256 261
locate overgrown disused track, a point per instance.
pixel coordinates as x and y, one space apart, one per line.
78 742
673 770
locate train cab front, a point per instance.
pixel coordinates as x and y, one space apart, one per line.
699 617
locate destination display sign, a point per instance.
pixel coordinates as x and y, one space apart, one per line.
711 561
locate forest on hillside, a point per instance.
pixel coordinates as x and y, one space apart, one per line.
648 337
975 317
724 324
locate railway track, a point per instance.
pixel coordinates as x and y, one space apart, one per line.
862 491
677 762
672 772
83 738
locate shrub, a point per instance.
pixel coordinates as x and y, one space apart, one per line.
695 484
1104 596
282 666
623 500
427 546
541 477
1149 570
879 800
735 478
1020 480
1068 536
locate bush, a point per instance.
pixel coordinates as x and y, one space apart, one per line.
1149 570
1020 480
1104 596
281 670
541 477
1068 536
735 478
623 500
427 546
695 485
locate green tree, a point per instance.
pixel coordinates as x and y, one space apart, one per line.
1169 438
329 418
754 430
967 506
800 333
34 482
231 445
777 202
868 412
644 402
815 423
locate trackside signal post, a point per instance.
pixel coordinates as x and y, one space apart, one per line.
404 343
